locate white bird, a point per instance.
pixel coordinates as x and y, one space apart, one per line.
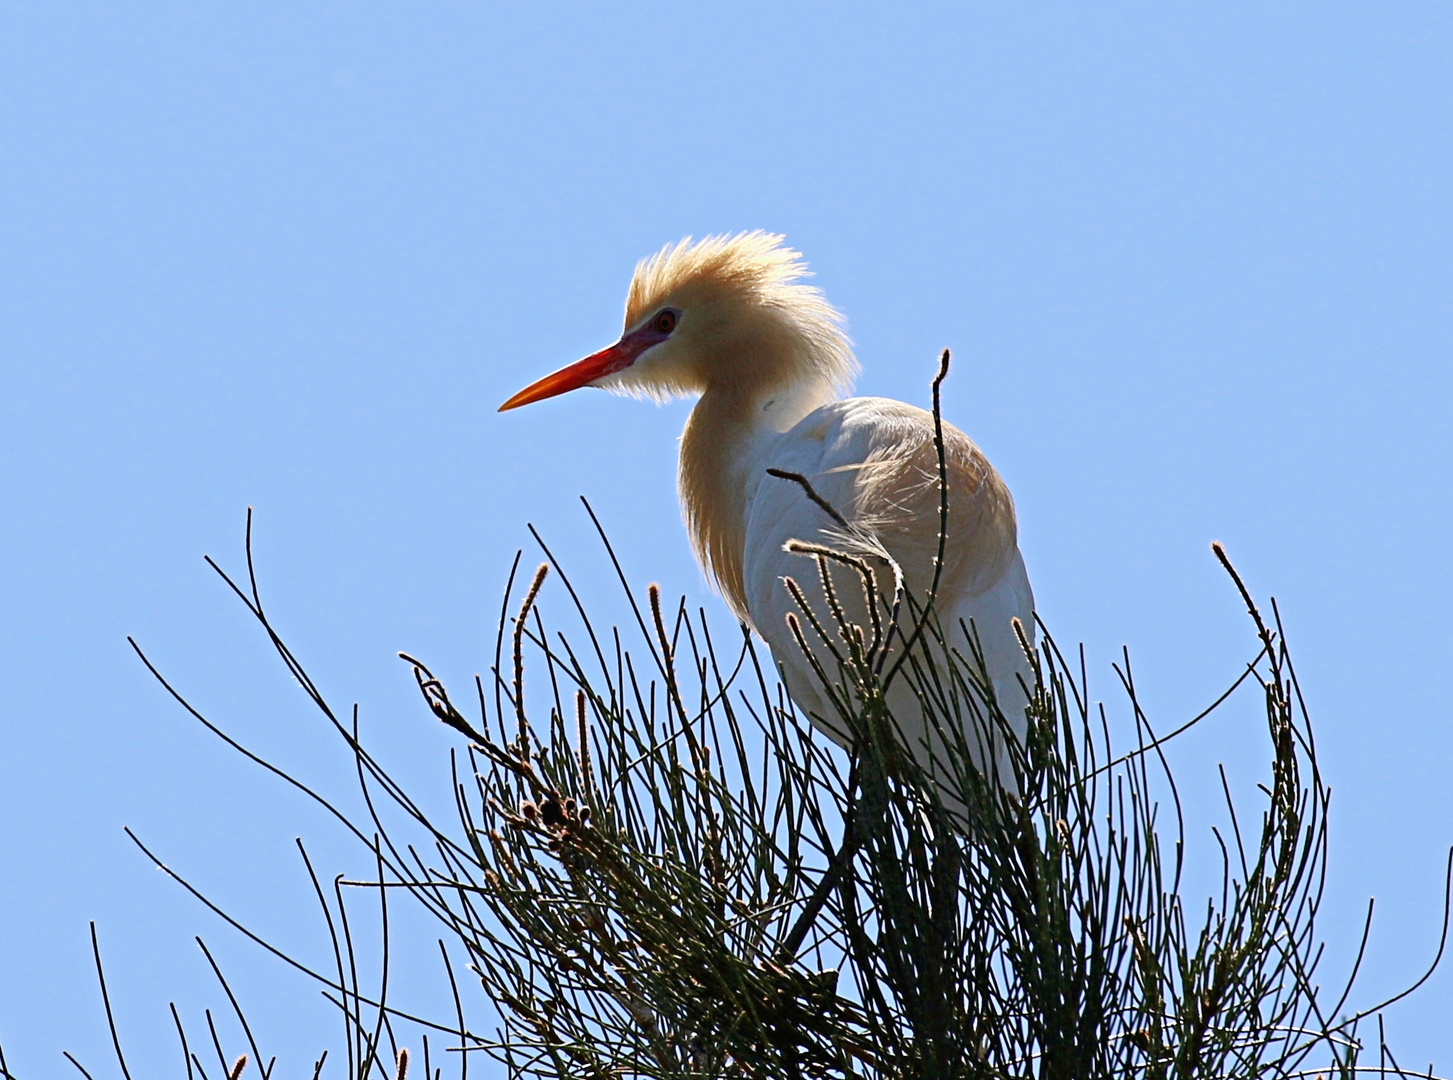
730 319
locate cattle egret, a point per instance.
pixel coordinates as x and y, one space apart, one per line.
730 320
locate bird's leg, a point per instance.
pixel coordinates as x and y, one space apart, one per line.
787 948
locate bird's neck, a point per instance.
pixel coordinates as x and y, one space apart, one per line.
722 447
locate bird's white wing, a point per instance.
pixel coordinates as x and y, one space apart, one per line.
777 512
874 461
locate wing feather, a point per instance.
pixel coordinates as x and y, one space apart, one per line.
874 460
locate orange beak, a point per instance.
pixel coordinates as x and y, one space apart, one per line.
595 366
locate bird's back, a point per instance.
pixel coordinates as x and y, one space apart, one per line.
875 462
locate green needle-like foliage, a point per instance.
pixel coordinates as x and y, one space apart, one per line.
658 868
675 876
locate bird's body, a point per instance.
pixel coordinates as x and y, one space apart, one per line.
728 319
874 461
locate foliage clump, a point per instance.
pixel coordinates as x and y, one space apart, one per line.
679 877
658 868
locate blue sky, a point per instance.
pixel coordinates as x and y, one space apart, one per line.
1194 265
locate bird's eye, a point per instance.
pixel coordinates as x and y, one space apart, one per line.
665 321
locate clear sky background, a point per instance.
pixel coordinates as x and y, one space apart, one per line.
1195 266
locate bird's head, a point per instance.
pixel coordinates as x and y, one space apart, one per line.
729 314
